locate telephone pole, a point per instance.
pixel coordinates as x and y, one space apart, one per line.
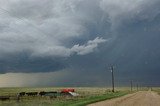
137 87
131 84
112 71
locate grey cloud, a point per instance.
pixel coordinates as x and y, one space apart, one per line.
44 27
89 47
65 52
27 29
123 11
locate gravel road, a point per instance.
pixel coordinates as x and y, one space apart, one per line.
141 98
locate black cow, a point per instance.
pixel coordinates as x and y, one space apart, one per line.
53 92
3 98
32 93
42 93
21 93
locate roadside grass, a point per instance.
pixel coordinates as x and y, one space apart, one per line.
92 99
87 96
157 89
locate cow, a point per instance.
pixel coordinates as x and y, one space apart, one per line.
3 98
42 93
21 93
32 93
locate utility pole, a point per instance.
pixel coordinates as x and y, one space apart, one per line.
112 71
131 84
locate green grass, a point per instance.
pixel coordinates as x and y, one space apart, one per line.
87 96
156 89
92 99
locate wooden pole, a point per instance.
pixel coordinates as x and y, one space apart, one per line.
131 84
112 70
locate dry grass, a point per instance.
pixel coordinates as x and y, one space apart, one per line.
87 95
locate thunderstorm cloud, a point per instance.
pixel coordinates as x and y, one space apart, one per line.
68 39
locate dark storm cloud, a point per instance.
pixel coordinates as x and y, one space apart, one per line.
83 36
134 51
43 28
23 63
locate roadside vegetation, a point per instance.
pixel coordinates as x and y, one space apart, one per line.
156 89
86 96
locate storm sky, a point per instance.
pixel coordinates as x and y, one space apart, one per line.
74 42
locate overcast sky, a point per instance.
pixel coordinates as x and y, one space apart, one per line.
73 42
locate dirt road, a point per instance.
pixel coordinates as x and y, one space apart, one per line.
141 98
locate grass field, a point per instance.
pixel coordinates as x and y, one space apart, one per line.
157 89
87 96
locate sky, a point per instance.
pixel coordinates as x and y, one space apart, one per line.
74 42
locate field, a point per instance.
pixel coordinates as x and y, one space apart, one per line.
157 89
86 96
